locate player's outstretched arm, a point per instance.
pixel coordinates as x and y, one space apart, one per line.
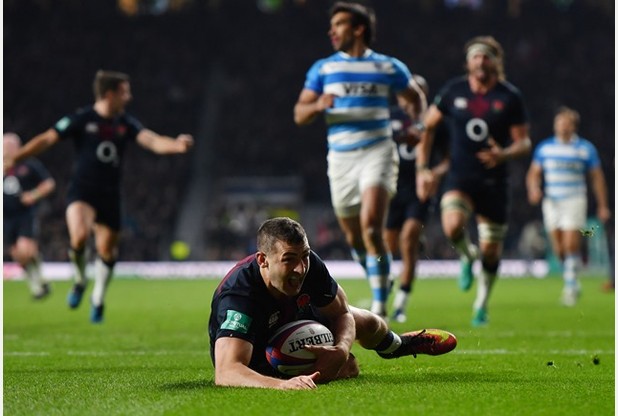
163 145
38 144
232 357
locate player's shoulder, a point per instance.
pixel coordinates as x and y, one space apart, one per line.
545 142
509 87
585 143
130 118
330 58
459 83
86 111
241 275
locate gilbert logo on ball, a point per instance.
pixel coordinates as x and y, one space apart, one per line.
286 348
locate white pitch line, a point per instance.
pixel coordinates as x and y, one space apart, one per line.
205 353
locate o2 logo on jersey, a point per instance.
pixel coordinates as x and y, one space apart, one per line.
477 129
11 185
407 152
107 152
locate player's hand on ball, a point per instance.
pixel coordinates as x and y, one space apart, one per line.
330 360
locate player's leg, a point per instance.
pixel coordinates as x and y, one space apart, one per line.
378 183
564 219
25 251
374 206
106 241
409 241
343 173
350 226
491 236
80 218
571 266
372 333
456 208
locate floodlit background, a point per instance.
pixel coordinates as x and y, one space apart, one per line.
229 72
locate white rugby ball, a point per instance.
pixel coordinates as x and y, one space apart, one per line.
286 352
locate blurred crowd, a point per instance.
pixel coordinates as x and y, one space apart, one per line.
557 53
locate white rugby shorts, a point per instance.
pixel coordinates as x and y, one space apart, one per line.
351 172
565 214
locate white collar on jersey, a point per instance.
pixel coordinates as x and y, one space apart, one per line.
348 56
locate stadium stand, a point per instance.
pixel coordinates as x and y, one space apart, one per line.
52 50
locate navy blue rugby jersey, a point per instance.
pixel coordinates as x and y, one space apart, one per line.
242 307
25 176
100 144
473 118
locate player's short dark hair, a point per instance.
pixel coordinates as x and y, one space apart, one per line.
496 49
279 229
574 114
361 16
107 81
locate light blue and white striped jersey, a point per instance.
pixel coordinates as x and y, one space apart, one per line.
565 166
360 114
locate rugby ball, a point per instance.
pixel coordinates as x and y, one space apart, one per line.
286 351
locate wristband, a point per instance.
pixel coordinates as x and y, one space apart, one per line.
420 168
420 126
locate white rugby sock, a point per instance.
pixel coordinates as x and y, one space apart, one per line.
401 300
486 281
570 266
35 278
102 275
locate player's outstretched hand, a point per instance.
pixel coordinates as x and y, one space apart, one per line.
301 382
185 141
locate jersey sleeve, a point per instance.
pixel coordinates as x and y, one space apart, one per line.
593 161
537 155
237 317
134 127
68 125
314 79
441 98
401 77
518 111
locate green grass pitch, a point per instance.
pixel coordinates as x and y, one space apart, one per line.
150 356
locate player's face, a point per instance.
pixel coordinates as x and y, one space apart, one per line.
481 66
341 32
564 126
287 267
10 145
121 97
